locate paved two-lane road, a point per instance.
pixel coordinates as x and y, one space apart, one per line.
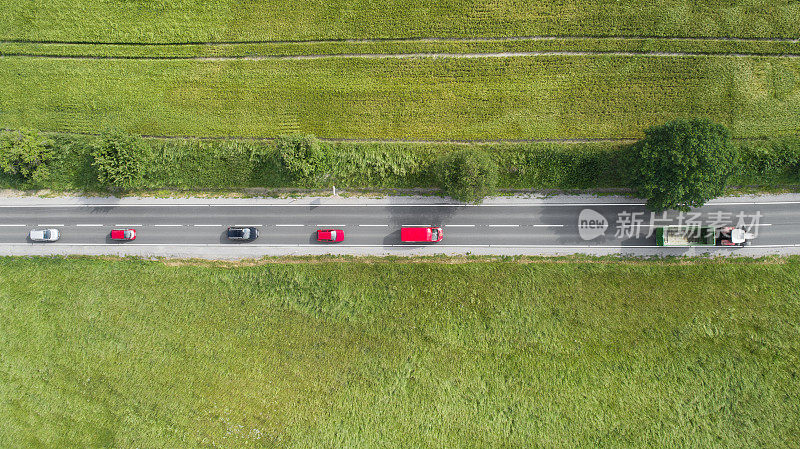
373 227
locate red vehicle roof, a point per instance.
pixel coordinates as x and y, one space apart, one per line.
119 234
420 234
330 235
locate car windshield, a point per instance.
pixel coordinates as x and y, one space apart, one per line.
46 234
128 234
434 234
333 235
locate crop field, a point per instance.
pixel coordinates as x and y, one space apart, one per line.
232 20
545 97
451 70
375 353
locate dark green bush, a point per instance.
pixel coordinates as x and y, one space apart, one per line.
120 159
24 154
303 158
681 164
468 175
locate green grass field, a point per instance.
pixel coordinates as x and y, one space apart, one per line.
375 353
215 20
548 97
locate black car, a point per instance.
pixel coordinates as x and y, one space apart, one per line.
242 233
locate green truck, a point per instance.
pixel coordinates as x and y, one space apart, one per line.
683 235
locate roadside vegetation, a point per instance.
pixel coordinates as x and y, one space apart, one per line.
543 97
682 164
382 353
103 163
224 20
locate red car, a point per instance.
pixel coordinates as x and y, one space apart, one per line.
417 234
123 234
330 235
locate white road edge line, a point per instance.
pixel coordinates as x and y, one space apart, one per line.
710 204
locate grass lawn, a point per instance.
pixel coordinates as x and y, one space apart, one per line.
376 353
215 20
547 97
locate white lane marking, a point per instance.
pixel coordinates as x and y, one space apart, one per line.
548 226
89 225
503 225
248 226
330 226
661 225
128 225
54 225
206 225
460 226
374 225
12 225
416 226
289 225
168 225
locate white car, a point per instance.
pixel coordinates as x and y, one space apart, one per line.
44 235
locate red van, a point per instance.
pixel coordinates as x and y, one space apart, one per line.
421 234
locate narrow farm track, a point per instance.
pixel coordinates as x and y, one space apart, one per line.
412 55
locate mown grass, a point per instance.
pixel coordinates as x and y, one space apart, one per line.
401 47
215 20
437 99
581 353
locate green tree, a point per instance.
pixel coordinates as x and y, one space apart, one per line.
302 157
120 159
24 154
682 164
468 175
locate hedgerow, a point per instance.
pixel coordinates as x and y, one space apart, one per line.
228 165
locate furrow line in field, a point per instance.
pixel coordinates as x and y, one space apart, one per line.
420 40
411 55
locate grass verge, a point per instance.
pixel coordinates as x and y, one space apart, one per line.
349 353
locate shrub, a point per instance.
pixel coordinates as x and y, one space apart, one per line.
682 164
302 157
468 175
120 159
24 154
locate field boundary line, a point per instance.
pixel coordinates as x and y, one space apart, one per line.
429 39
416 55
400 141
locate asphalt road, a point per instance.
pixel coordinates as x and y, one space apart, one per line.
506 227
